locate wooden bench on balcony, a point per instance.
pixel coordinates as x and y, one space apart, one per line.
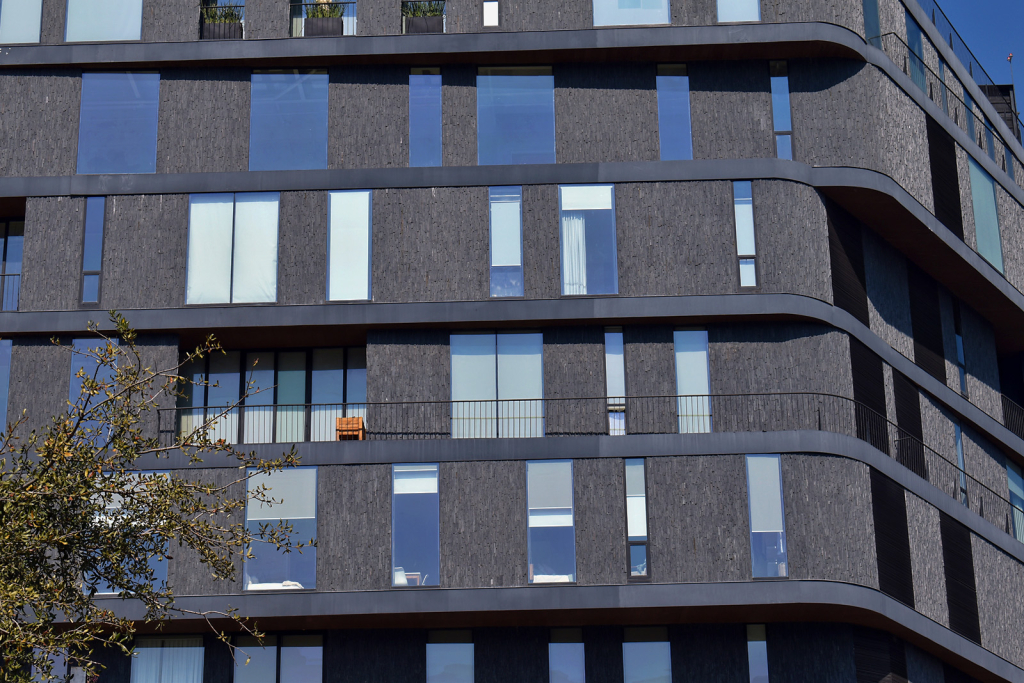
351 429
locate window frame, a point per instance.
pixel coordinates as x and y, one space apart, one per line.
279 636
5 277
777 133
330 240
490 239
646 578
529 542
82 303
614 245
276 520
394 495
740 258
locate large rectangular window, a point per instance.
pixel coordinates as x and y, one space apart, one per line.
349 246
757 653
646 655
552 536
515 114
615 381
288 121
636 518
986 216
157 563
566 663
294 495
284 659
782 117
159 659
693 382
415 526
589 261
232 248
12 242
425 117
915 56
732 11
767 519
103 20
117 125
674 131
506 212
631 12
746 247
92 249
449 657
497 385
20 21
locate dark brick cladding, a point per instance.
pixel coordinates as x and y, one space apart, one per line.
599 490
408 365
54 233
170 21
40 378
267 19
52 27
360 137
458 115
542 266
354 502
34 101
302 248
731 110
574 368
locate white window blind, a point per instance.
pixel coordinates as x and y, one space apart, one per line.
636 500
744 211
693 381
294 493
96 20
549 493
255 250
209 248
474 370
415 479
585 197
738 10
348 277
506 231
764 486
20 21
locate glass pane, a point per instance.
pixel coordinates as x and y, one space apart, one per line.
748 273
520 385
986 217
506 226
916 51
15 247
490 12
615 367
293 492
95 20
589 264
739 10
674 116
552 539
743 206
210 221
630 12
258 413
506 281
288 126
784 146
872 24
474 385
416 555
118 125
262 665
254 270
425 120
272 569
636 500
637 560
780 97
302 659
449 663
223 391
328 393
692 381
349 246
566 663
646 663
92 253
158 660
20 21
291 395
757 653
515 116
767 520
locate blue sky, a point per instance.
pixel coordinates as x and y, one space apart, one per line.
992 29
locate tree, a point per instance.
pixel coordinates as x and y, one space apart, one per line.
76 514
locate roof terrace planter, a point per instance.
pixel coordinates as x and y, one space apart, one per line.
323 18
221 22
423 17
324 26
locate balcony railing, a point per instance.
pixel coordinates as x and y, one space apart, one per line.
596 416
318 19
221 22
10 291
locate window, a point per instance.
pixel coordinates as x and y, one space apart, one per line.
92 249
969 110
961 362
674 131
692 381
168 658
415 526
506 241
118 124
232 248
1016 480
646 656
636 518
986 216
958 437
781 113
915 58
20 21
5 378
13 242
295 395
449 657
746 249
103 20
589 261
757 653
943 88
767 523
515 113
490 12
738 10
497 385
349 246
323 18
630 12
615 381
425 117
301 659
294 494
81 360
288 121
872 25
552 537
566 662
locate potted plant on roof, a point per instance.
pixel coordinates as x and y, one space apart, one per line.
325 18
423 16
220 22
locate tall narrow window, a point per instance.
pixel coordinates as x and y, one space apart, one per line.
636 518
20 21
693 382
92 250
552 536
1008 162
767 521
415 526
915 56
232 248
506 241
782 116
746 247
118 122
167 658
1016 480
615 376
103 20
497 385
566 663
943 88
425 117
13 236
969 111
490 12
732 11
515 115
631 13
674 132
589 261
349 245
872 24
757 653
288 121
5 380
646 655
284 659
294 494
961 361
958 437
986 216
449 657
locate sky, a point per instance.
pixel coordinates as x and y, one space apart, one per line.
992 29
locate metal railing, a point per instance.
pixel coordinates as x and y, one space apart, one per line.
221 22
327 18
10 291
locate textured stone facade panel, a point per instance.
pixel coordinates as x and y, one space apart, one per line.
981 362
302 248
574 369
963 171
949 339
731 110
997 576
986 464
353 528
52 261
885 271
40 379
267 19
53 21
599 492
368 117
1011 229
926 561
408 365
542 266
458 115
31 102
848 13
170 21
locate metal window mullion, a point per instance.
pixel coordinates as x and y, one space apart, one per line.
231 256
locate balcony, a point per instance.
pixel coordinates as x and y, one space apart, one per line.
323 18
10 290
221 22
423 17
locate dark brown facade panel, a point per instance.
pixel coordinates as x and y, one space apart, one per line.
602 652
542 266
458 115
170 21
945 181
375 656
39 111
368 117
517 654
599 493
353 528
731 110
712 652
574 369
819 653
302 248
218 663
923 667
40 378
878 657
267 19
846 255
926 322
52 260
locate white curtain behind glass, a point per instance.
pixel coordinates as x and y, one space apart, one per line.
255 252
168 660
348 277
692 381
96 20
506 234
209 248
574 253
20 21
474 385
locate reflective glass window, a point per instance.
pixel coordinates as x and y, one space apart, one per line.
566 663
767 518
288 121
294 494
284 659
117 127
5 378
1016 481
552 538
631 12
103 20
636 518
168 658
615 381
20 20
646 656
415 525
757 653
506 217
915 56
746 248
781 113
986 216
738 10
349 245
425 117
693 381
589 260
515 109
92 251
449 657
674 132
12 242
